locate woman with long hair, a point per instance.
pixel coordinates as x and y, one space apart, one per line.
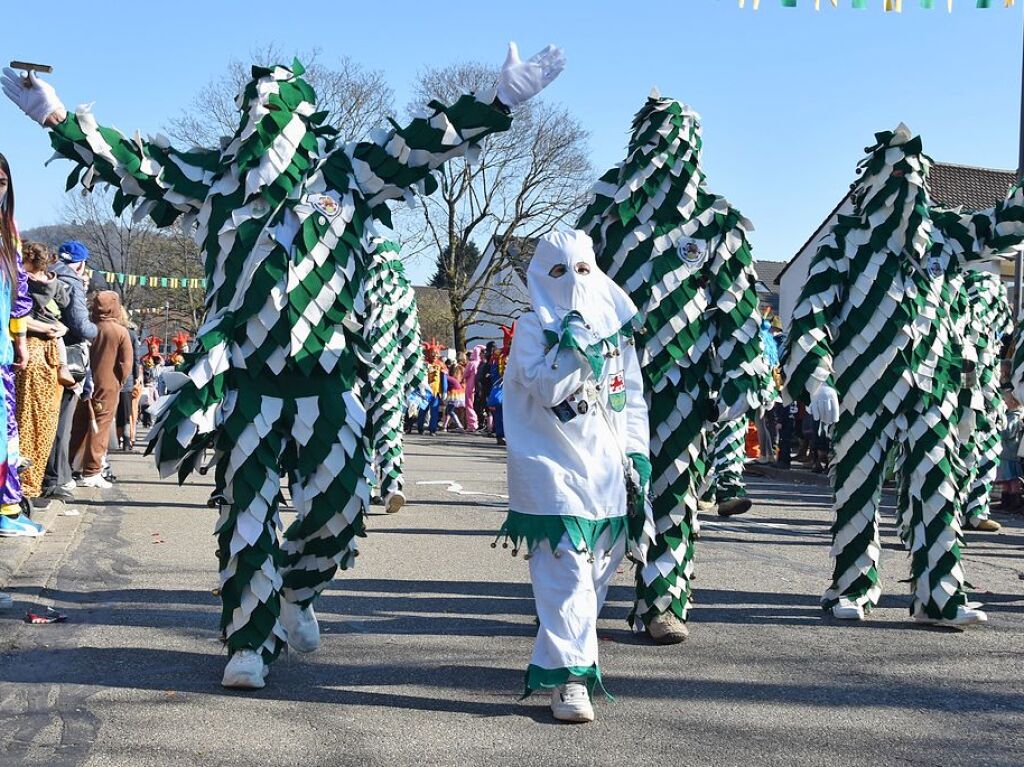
15 306
39 384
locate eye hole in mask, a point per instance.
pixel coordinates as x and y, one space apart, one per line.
556 271
582 267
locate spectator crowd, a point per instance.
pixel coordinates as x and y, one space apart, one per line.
71 370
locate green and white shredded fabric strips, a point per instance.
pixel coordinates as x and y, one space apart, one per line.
285 216
683 256
390 327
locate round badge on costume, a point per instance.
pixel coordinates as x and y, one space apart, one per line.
693 253
935 267
325 204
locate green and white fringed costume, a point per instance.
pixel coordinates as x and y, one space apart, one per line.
681 253
285 215
725 478
393 336
989 321
876 324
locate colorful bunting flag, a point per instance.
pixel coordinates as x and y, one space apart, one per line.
148 281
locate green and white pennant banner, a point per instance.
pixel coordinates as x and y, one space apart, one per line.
890 6
150 281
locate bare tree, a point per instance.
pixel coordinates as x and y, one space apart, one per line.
356 99
435 316
115 243
525 182
121 245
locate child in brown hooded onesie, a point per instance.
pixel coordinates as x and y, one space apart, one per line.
110 363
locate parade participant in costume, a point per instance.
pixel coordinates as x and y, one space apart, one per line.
111 361
177 357
470 382
496 396
455 399
726 490
153 358
15 306
436 377
872 349
392 335
681 253
576 422
285 216
39 384
988 320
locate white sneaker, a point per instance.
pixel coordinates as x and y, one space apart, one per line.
6 603
245 671
96 480
847 610
966 615
394 502
302 627
571 703
69 486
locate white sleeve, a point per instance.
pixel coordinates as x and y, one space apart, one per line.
638 435
550 376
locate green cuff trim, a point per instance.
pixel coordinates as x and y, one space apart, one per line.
538 678
536 528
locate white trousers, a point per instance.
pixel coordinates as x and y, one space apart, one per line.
569 591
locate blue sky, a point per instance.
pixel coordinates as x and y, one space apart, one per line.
789 97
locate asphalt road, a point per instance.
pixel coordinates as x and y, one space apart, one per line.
426 641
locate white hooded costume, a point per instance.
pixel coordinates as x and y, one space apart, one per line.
574 411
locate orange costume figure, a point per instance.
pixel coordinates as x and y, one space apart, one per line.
181 339
153 358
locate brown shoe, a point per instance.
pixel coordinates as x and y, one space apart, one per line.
734 506
667 629
988 526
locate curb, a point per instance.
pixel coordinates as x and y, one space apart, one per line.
14 552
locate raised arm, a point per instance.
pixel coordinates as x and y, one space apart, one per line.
168 182
985 234
404 158
745 382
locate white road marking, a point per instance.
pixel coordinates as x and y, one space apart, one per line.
455 487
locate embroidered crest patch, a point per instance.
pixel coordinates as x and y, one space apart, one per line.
617 392
325 204
693 253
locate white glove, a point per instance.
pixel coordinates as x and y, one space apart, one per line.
34 97
521 80
825 405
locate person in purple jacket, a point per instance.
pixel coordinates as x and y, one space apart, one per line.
13 523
